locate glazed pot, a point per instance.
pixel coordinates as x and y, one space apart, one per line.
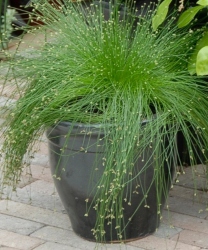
73 160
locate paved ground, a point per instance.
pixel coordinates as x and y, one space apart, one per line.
34 217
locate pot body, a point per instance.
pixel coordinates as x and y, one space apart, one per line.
74 159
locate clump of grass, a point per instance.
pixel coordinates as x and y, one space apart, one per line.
118 73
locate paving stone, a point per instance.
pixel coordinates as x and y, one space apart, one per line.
119 247
1 121
192 237
69 238
6 102
25 180
8 248
156 243
42 147
31 41
56 246
35 214
167 231
61 236
185 222
8 89
198 180
190 194
18 225
43 138
40 159
41 172
40 194
39 186
14 240
186 206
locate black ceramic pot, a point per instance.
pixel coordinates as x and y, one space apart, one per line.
72 165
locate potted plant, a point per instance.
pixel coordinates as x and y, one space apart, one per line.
112 94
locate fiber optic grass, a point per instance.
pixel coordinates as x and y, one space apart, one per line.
118 73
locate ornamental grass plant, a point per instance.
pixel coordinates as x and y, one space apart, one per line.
116 72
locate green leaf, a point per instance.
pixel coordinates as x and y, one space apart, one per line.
200 44
203 2
187 16
160 14
202 62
